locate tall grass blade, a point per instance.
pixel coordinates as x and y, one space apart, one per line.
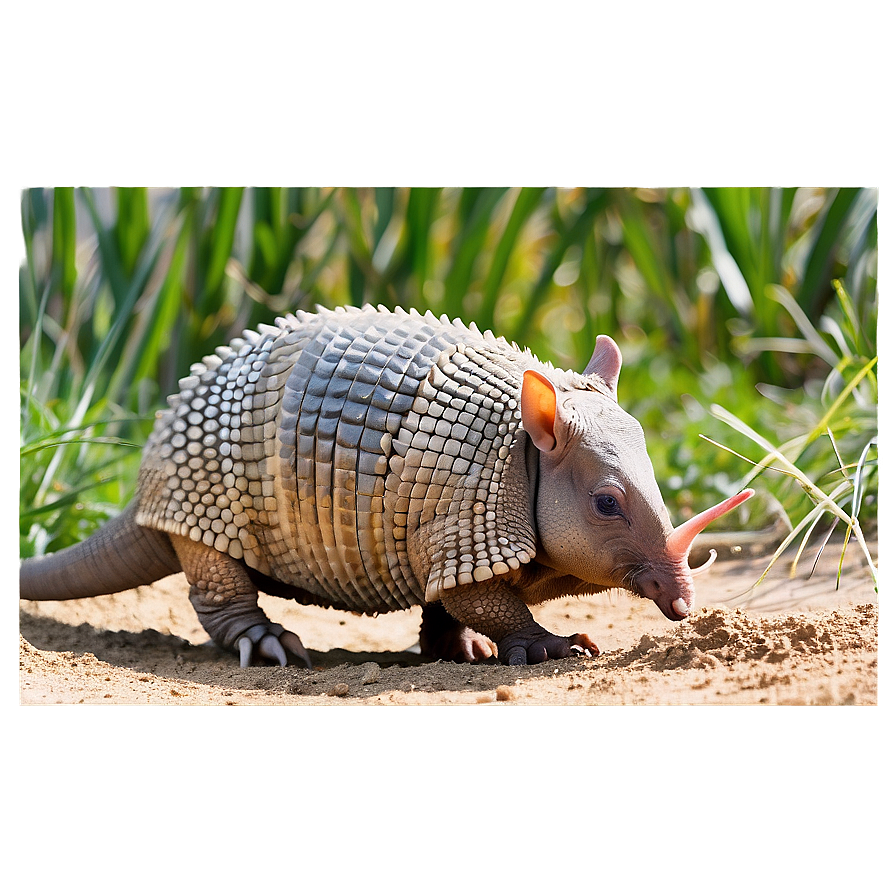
220 241
781 204
707 221
645 250
811 295
597 202
859 478
113 270
64 241
847 390
527 202
477 207
860 343
810 334
422 207
131 225
117 330
163 328
365 283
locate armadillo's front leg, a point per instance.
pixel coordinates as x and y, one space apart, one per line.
226 602
492 607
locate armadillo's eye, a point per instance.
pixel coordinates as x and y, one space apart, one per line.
606 505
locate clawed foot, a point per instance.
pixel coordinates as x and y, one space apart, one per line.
271 642
443 637
470 646
462 645
534 644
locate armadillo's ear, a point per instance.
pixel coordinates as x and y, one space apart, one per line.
606 362
538 406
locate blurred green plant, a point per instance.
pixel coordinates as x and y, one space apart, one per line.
121 290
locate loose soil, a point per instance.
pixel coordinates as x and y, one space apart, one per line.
799 640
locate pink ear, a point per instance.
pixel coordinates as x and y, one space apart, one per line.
606 362
538 406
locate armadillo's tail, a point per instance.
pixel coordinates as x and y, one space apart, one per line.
119 556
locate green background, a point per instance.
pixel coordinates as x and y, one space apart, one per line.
609 800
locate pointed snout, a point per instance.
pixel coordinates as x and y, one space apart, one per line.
669 582
670 586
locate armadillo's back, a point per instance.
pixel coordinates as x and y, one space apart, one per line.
342 451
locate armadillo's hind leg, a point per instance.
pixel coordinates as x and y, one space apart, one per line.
226 602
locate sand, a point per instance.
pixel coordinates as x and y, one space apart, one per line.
799 640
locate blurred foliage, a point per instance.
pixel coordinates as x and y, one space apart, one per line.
712 294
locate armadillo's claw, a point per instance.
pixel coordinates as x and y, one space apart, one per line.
534 644
293 644
582 644
270 648
271 642
478 647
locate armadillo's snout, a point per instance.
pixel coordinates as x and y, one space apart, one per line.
671 589
672 584
679 608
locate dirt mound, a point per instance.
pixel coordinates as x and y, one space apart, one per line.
717 635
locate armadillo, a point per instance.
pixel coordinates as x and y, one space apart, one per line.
373 460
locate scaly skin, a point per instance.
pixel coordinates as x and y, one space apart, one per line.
121 556
227 605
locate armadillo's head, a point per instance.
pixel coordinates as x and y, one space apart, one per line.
599 513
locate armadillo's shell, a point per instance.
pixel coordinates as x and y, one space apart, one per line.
313 451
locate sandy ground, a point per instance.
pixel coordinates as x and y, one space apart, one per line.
793 640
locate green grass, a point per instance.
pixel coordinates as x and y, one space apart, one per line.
844 425
719 298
